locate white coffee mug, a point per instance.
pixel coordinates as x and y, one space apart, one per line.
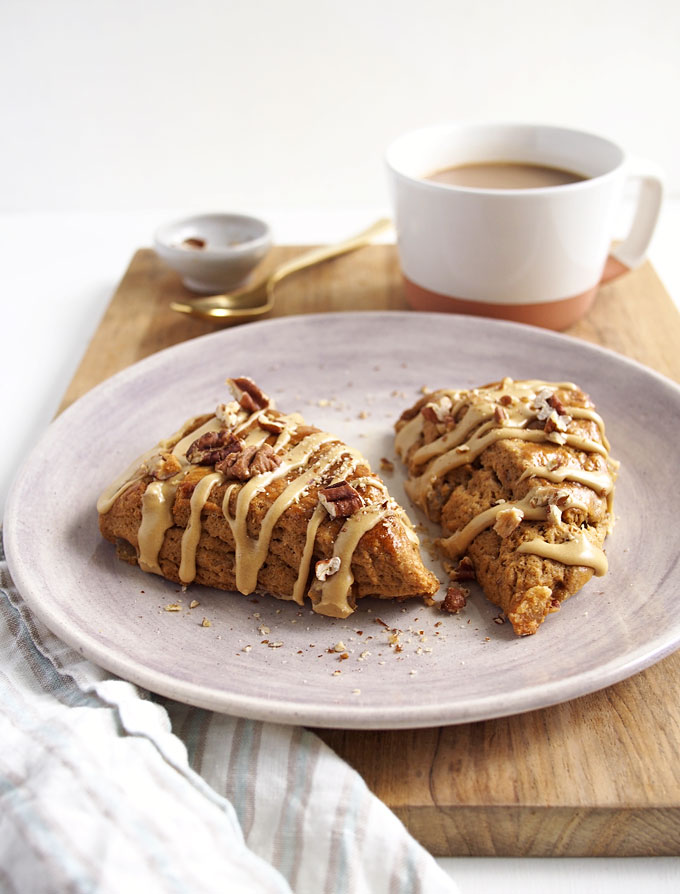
534 255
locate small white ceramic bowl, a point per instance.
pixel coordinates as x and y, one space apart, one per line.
213 252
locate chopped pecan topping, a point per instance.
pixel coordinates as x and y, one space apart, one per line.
455 600
248 462
249 395
275 426
550 410
542 405
550 496
228 414
213 447
439 411
507 520
500 414
465 570
324 569
557 404
340 500
163 466
554 422
506 399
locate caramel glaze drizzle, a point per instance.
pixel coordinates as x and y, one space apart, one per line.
480 424
333 596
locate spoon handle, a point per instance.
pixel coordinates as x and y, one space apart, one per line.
324 252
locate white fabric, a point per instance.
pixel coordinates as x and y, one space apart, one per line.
104 789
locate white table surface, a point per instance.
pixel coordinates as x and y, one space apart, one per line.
57 276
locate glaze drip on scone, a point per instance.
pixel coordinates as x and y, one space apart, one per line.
231 461
526 460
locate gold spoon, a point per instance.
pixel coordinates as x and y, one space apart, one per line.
254 301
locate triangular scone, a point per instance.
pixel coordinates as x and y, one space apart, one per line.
251 499
519 477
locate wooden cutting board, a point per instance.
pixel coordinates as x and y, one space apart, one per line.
597 776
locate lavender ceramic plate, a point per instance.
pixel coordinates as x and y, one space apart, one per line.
336 369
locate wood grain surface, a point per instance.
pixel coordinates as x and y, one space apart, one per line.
596 776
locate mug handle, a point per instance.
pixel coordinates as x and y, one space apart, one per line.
631 252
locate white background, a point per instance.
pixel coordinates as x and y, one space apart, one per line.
118 115
216 103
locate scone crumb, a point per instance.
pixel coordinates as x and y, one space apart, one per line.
356 692
194 603
173 607
206 623
455 600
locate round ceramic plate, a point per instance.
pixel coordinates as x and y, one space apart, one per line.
352 374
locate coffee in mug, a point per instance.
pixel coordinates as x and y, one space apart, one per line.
514 220
504 175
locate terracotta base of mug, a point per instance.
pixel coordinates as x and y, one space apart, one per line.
549 314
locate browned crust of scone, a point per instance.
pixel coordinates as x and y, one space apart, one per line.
526 587
385 564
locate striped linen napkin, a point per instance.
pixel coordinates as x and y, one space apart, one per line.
103 789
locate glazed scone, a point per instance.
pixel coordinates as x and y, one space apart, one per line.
253 500
518 475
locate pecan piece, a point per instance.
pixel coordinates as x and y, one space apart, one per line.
465 570
213 447
249 395
439 411
163 466
340 500
557 404
507 520
556 422
323 569
228 414
271 424
248 462
455 600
